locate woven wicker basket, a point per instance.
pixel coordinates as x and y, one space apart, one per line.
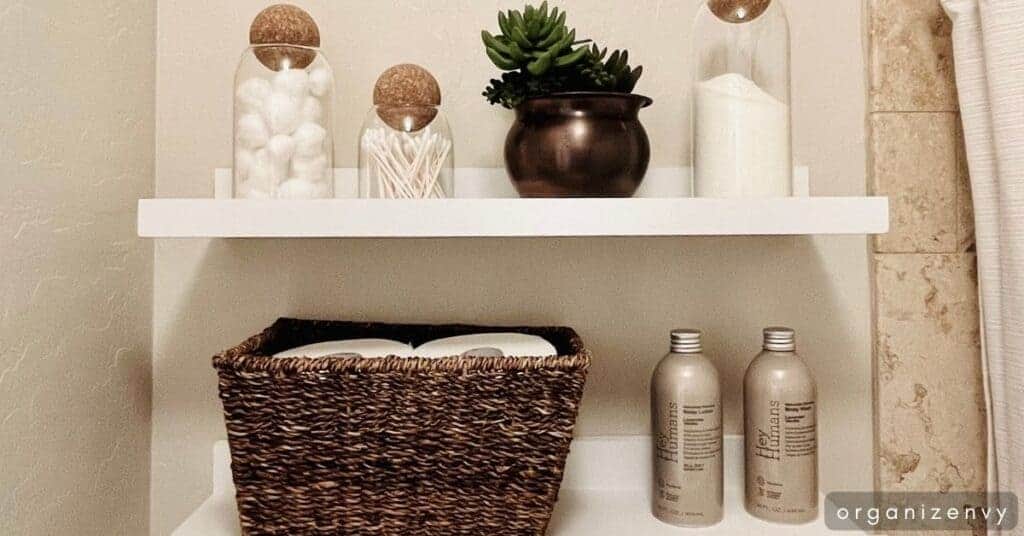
397 446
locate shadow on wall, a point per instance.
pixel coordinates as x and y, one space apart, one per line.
622 295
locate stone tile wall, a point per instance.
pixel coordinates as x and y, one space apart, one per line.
929 400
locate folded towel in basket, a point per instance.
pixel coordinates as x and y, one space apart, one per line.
476 345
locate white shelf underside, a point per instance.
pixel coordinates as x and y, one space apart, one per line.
605 493
485 207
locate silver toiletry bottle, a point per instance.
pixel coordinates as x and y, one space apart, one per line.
781 434
686 414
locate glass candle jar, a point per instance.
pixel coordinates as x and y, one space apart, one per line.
741 127
406 152
284 139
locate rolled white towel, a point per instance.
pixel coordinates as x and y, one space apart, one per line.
369 348
488 344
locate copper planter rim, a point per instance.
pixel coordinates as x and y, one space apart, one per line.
644 101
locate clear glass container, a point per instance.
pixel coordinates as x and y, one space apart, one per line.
284 127
406 152
741 126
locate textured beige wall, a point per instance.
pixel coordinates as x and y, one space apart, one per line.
622 294
75 297
930 406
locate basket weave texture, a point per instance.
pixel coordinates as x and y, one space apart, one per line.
397 446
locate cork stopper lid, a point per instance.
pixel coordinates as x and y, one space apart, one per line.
407 85
407 97
284 24
738 11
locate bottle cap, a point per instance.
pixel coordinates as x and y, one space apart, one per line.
686 341
779 339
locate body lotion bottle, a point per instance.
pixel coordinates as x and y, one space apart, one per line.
686 411
781 440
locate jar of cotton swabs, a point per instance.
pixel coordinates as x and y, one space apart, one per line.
405 148
284 94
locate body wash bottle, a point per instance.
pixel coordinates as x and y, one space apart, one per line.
686 412
781 436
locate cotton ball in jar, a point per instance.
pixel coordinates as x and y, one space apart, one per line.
311 168
309 140
297 189
261 173
244 159
312 110
277 27
252 95
279 151
252 132
248 191
320 80
284 113
294 82
281 148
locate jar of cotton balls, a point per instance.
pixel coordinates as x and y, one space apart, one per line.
405 148
284 90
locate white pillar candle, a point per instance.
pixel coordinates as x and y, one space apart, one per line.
742 144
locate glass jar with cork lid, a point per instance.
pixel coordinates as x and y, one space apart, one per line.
741 128
406 148
284 95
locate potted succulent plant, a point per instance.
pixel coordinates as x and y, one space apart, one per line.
577 132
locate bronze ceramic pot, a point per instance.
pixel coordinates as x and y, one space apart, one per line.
578 145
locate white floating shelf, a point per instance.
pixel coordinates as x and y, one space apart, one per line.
484 207
604 493
444 218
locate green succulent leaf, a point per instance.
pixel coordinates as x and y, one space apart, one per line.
501 62
503 23
572 58
541 55
492 42
517 54
551 23
517 20
555 37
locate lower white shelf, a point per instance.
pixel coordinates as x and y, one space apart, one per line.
604 493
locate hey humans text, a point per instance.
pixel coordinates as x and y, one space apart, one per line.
768 441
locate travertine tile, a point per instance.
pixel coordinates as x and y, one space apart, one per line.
911 56
914 163
964 200
930 401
